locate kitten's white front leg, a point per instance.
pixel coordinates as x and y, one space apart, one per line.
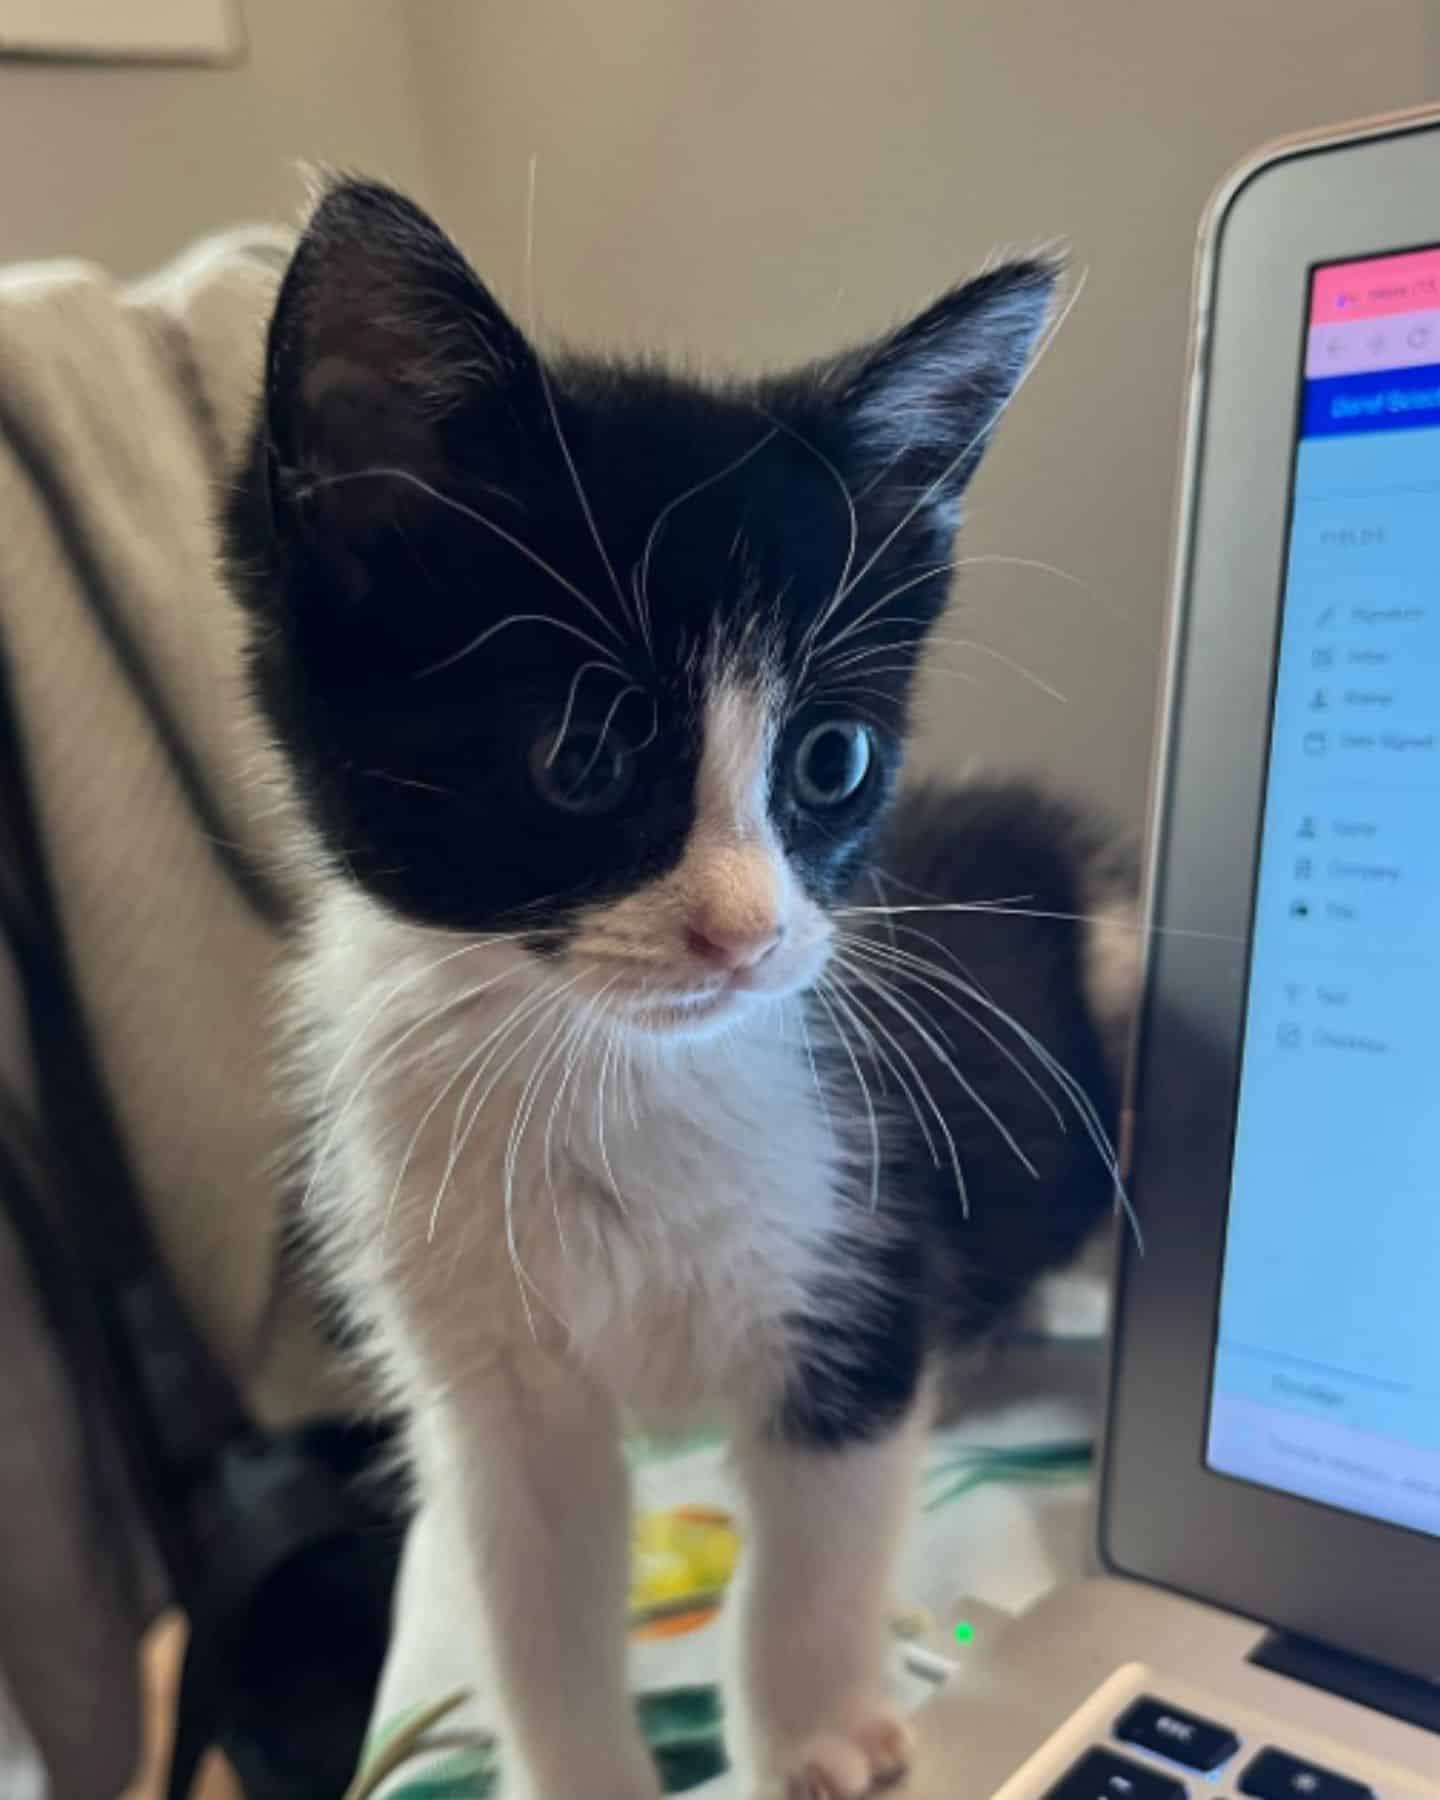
529 1455
826 1527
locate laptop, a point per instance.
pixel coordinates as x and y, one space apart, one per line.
1266 1621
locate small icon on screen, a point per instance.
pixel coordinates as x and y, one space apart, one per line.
1324 617
1304 868
1299 909
1293 991
1418 336
1323 657
1316 743
1288 1036
1320 701
1307 827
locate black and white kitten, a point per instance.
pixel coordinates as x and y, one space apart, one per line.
650 1086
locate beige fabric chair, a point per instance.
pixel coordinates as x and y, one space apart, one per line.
120 411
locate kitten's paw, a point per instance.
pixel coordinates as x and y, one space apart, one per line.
872 1750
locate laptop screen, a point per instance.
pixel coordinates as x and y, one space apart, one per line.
1326 1380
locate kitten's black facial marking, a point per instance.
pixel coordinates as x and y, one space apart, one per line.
582 768
494 690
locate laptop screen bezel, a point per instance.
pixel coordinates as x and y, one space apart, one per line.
1163 1515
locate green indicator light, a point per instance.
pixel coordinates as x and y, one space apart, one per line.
964 1632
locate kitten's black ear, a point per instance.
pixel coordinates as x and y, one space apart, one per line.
918 407
382 340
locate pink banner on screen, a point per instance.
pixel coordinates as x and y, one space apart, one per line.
1376 288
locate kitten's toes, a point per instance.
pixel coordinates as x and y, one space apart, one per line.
868 1754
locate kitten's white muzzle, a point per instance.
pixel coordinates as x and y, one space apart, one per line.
668 1001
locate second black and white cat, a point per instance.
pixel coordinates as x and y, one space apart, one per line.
653 1083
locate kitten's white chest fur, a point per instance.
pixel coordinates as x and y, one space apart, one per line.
656 1218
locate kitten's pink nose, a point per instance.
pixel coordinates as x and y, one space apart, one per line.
732 945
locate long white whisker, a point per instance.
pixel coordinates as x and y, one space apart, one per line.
628 1081
1075 1092
458 1074
392 1050
1089 1117
448 500
999 656
854 626
482 638
1021 562
809 1045
889 1070
645 743
1002 910
595 754
466 1062
563 730
523 1009
547 1001
908 967
854 523
923 1088
878 883
587 1022
406 981
995 903
968 978
855 659
548 392
853 687
822 991
883 990
520 1120
523 1279
831 676
611 1042
672 506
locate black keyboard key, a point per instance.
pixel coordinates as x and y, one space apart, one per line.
1101 1775
1184 1738
1275 1776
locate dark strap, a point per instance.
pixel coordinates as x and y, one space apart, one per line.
94 584
171 1402
233 1511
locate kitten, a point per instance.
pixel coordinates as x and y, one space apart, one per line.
642 1094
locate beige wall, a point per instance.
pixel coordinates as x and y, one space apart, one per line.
126 164
758 179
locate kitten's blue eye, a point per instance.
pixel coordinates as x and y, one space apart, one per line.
586 773
832 762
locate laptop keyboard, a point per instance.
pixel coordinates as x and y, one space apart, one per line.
1203 1746
1177 1734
